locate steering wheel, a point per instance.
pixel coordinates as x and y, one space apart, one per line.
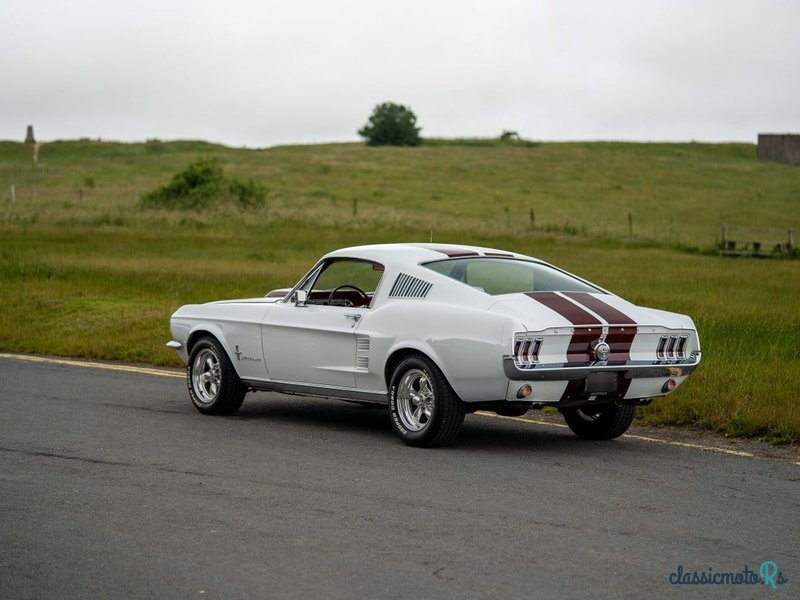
347 301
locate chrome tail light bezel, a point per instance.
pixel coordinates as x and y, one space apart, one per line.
526 350
672 347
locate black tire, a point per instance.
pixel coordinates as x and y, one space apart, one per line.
601 422
214 386
512 409
440 411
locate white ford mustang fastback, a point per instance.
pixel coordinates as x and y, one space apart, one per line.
436 331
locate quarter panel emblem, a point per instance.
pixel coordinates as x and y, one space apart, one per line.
241 357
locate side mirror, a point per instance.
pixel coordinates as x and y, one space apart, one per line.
300 297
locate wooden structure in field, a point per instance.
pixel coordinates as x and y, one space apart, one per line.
779 147
758 242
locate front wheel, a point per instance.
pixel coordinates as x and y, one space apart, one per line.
599 422
214 386
424 409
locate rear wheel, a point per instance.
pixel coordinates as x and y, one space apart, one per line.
600 422
214 386
424 409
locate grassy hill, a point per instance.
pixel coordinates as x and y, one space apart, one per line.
85 270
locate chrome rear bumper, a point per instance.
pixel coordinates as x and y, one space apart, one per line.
628 369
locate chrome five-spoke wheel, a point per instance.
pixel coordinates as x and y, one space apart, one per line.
206 376
424 409
214 386
415 400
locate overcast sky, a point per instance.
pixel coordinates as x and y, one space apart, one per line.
260 73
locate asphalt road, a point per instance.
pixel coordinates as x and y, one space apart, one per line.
112 485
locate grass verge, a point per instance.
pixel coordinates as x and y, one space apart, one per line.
86 271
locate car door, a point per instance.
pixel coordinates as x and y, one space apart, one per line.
314 342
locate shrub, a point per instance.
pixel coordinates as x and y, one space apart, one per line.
200 183
391 125
191 188
248 193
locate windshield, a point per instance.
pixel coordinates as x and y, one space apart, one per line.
497 276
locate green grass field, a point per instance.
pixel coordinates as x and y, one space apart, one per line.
86 271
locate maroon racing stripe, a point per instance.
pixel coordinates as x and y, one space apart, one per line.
452 252
574 314
581 344
607 312
573 390
623 384
620 339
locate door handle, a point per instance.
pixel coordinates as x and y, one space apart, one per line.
355 316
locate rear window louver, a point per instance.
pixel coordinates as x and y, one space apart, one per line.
407 286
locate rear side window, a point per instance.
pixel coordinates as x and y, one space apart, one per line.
497 276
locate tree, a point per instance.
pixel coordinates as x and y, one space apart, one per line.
391 125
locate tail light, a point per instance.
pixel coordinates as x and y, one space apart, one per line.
680 351
671 347
526 351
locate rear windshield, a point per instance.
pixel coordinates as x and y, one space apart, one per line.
497 276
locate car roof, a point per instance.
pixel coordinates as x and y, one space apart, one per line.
417 252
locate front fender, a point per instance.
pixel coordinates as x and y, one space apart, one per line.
186 334
237 327
198 330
